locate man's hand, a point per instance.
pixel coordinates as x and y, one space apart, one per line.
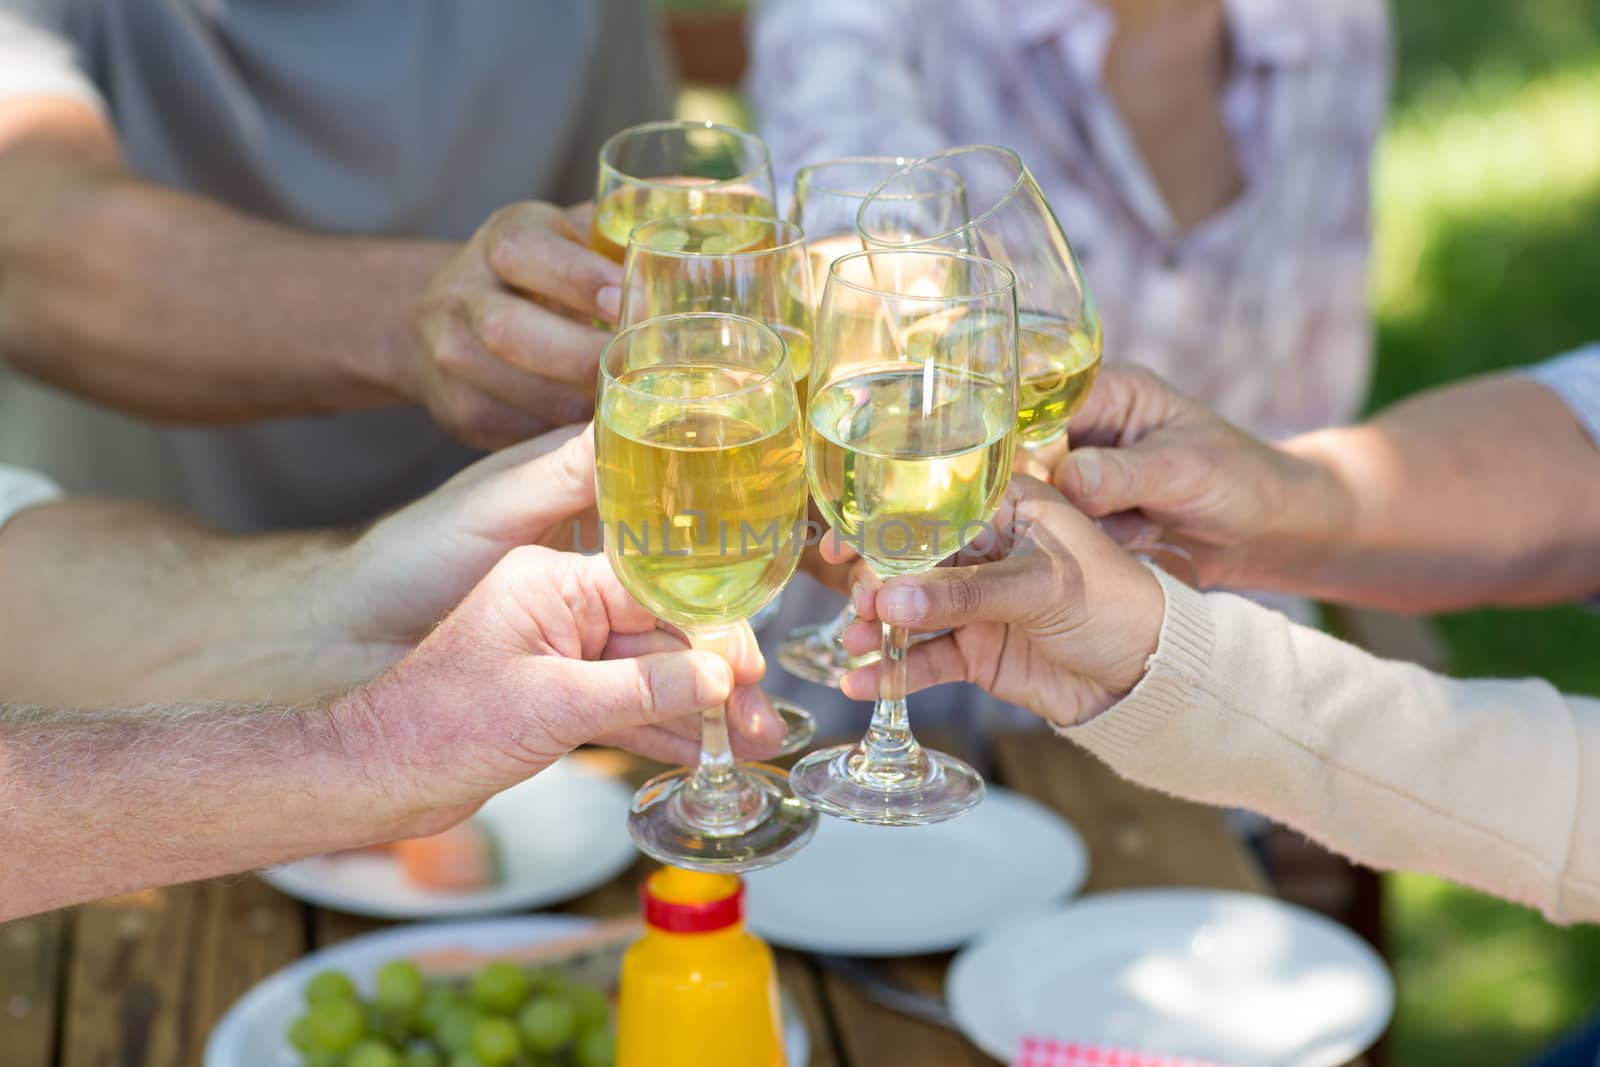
1059 619
508 346
400 577
1143 454
547 653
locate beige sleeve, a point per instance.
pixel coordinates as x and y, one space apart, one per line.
1494 784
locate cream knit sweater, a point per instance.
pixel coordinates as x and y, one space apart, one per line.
1495 784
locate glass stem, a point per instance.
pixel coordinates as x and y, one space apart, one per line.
718 797
888 757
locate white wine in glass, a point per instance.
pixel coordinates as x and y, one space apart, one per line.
702 498
677 168
749 265
827 198
912 431
1009 221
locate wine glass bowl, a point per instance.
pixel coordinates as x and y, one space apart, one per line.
1010 222
677 168
701 497
749 265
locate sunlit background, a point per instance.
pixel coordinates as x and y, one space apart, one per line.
1488 255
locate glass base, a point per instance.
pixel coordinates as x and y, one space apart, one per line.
931 787
812 653
799 727
669 822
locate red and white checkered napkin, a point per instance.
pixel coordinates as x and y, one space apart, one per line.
1040 1052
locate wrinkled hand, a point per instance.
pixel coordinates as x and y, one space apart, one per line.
1056 618
508 346
548 653
1144 455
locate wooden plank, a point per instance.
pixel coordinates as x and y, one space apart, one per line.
709 46
874 1036
1136 837
248 931
32 955
151 972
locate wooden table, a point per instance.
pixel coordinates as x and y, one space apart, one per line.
139 981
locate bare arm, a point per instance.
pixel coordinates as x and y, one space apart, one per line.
109 602
1484 492
548 652
177 307
1477 493
104 802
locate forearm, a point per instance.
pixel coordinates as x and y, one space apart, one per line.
172 306
1493 784
1478 493
107 602
104 802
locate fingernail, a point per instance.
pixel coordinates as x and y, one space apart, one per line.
608 301
856 589
1088 464
716 678
904 603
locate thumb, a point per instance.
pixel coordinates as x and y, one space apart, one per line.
1103 481
612 695
1007 591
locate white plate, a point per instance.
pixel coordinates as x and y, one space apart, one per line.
860 890
1225 977
252 1033
560 833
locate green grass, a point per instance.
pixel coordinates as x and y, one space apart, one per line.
1488 197
1488 194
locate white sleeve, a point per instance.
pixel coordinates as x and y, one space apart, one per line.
39 55
22 489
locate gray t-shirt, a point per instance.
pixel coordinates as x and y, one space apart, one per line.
413 118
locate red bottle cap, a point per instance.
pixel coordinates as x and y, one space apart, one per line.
690 902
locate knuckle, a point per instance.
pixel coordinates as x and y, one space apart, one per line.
966 595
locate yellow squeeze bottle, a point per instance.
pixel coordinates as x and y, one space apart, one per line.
697 989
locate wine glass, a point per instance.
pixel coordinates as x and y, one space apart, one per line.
1059 335
702 491
912 431
1058 330
749 265
827 198
677 168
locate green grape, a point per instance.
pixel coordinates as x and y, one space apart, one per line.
594 1008
454 1032
372 1054
400 986
337 1025
547 980
596 1048
437 1002
500 987
328 986
322 1059
387 1024
466 1059
422 1056
548 1023
301 1036
495 1041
